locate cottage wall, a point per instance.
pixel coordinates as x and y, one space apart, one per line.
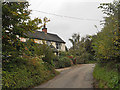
54 44
63 47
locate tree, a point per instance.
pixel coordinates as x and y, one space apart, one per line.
107 42
82 49
45 20
75 39
15 23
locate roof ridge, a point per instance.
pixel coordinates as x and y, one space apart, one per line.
49 36
47 33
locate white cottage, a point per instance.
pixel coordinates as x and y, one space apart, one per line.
50 39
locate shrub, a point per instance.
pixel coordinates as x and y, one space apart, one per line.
64 54
49 56
79 60
26 72
35 49
85 58
63 62
56 58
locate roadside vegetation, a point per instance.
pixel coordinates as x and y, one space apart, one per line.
106 76
102 48
24 65
106 45
62 60
81 51
26 72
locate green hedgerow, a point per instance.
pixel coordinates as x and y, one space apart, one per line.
26 72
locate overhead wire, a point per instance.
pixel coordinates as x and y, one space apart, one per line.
63 16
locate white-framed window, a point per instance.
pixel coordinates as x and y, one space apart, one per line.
58 45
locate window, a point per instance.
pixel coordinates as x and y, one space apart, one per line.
48 43
58 45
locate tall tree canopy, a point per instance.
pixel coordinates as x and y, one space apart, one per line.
15 22
107 42
75 39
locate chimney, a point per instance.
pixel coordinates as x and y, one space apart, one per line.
44 30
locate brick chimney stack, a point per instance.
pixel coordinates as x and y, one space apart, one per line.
44 29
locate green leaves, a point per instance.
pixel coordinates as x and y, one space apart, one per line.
75 39
106 44
34 49
26 72
106 77
82 49
16 21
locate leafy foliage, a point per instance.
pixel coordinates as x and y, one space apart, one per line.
26 72
75 39
63 62
106 45
106 78
22 66
82 50
15 22
43 50
107 42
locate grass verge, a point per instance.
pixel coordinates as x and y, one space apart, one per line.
105 77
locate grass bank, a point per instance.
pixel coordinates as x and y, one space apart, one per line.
26 72
106 76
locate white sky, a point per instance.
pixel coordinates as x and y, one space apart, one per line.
65 27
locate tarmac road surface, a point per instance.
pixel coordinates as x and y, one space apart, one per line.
79 76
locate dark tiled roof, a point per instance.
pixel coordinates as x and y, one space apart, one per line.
42 36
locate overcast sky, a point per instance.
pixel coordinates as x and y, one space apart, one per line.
86 10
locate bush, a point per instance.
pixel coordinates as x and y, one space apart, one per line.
35 49
79 60
49 56
63 62
26 72
64 54
56 58
85 58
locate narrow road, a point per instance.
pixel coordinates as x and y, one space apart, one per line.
79 76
